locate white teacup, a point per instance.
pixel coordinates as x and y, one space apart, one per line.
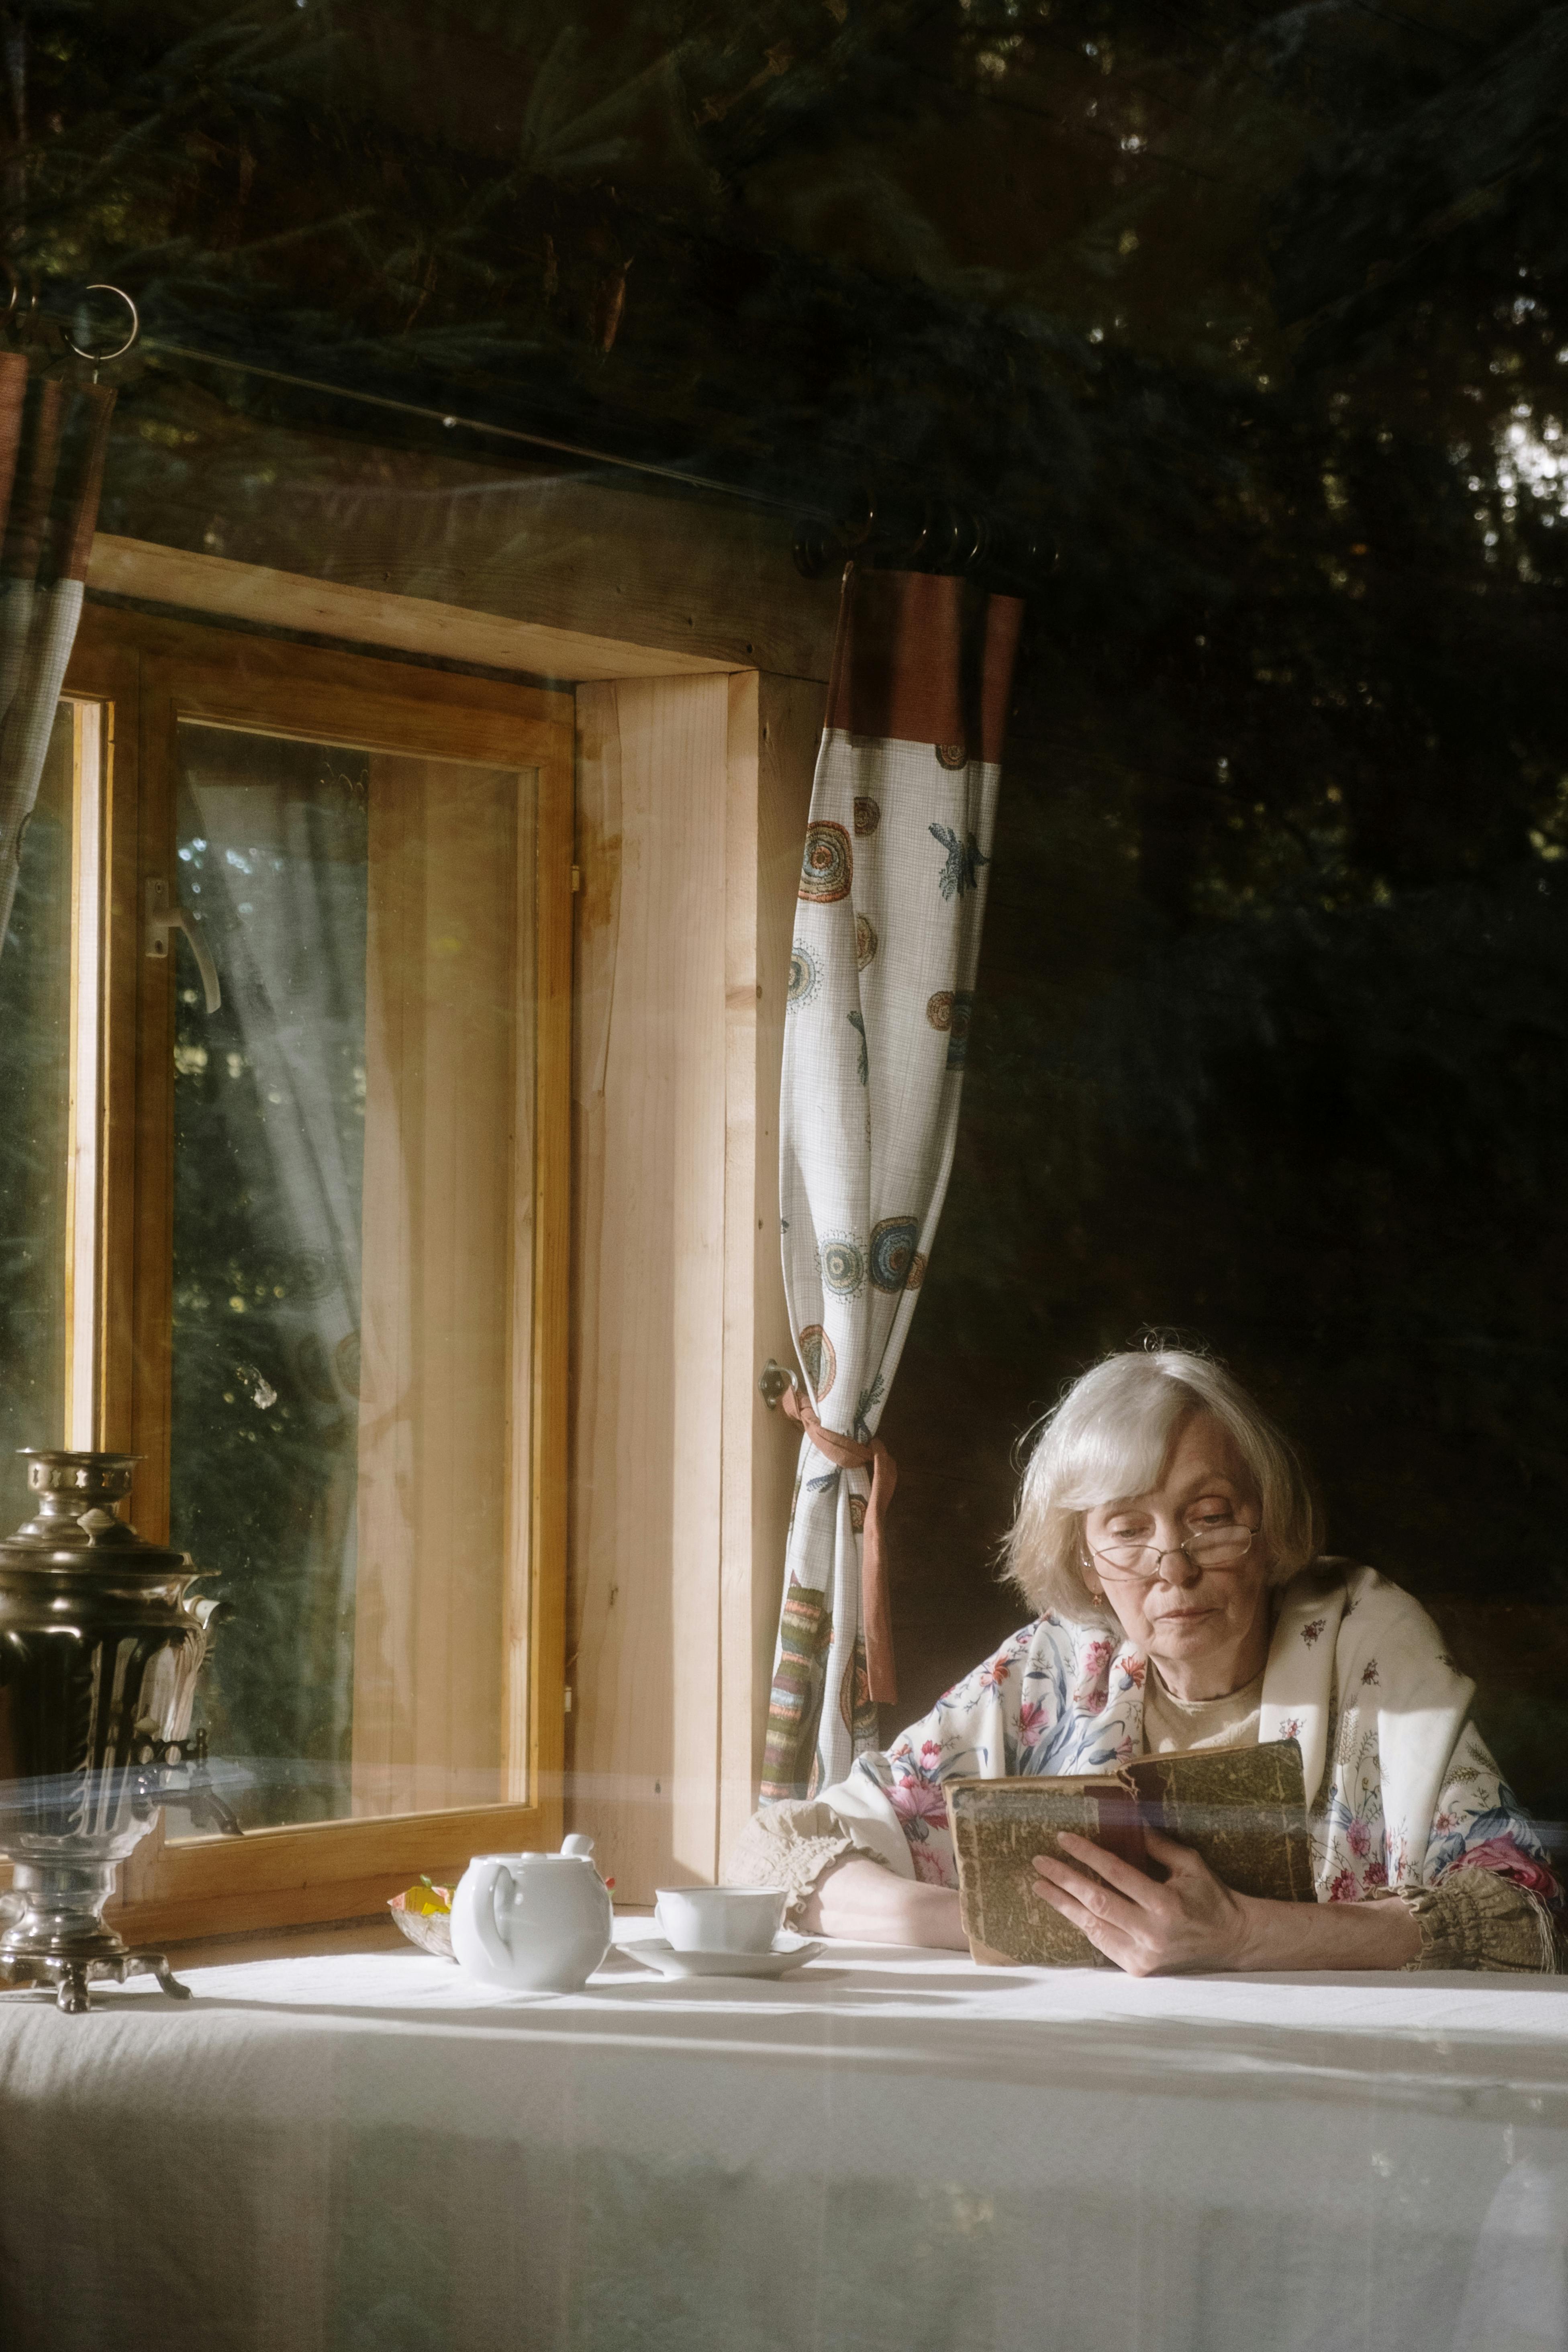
720 1918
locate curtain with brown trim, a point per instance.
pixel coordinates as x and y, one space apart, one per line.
893 895
53 436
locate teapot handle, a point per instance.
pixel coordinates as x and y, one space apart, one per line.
487 1923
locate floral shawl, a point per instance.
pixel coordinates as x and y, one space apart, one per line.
1400 1786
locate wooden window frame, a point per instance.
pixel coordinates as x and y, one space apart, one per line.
146 674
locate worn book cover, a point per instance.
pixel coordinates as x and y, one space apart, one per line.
1243 1809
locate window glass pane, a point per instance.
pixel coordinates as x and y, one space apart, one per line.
35 1128
353 1139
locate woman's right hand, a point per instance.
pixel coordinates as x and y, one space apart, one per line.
862 1902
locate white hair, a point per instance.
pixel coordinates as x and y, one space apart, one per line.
1107 1441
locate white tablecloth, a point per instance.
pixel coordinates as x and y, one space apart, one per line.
890 2151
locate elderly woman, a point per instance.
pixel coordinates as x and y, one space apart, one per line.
1167 1535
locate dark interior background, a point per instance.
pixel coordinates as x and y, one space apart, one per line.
1301 1099
1256 320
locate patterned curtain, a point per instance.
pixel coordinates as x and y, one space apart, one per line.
53 436
892 893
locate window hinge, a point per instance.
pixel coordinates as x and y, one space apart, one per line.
568 1698
576 878
162 920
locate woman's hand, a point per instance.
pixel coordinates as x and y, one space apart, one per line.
1194 1921
864 1903
1191 1920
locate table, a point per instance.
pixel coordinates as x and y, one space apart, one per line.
890 2152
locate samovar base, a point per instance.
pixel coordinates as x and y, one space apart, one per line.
59 1935
70 1977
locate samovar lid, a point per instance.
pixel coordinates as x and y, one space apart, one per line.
77 1497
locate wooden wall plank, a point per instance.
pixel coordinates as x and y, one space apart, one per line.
653 779
744 1214
777 728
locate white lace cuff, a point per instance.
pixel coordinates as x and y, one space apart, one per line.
791 1845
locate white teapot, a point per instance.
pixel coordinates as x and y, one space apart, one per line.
532 1922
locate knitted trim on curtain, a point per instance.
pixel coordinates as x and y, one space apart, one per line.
53 437
892 896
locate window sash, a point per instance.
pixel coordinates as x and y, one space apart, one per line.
134 680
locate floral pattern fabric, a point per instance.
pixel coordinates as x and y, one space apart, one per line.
1059 1698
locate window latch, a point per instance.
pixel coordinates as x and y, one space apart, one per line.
162 919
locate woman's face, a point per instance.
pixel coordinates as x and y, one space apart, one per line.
1191 1615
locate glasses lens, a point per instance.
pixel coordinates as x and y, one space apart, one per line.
1130 1559
1217 1544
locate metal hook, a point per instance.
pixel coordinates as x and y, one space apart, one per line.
775 1382
102 359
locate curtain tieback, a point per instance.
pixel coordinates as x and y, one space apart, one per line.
876 1610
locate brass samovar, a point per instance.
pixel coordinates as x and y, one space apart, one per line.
100 1644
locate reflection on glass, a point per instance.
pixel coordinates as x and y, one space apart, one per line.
352 1135
35 1130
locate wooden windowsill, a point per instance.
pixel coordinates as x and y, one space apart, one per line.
311 1942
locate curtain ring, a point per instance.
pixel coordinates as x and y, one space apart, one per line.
947 555
100 359
857 528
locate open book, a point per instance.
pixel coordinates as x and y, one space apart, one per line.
1243 1809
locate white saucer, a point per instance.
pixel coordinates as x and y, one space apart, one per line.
788 1952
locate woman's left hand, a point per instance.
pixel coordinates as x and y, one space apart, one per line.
1148 1927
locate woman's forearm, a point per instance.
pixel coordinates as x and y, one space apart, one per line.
861 1902
866 1904
1287 1936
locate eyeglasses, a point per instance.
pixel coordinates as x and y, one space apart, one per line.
1220 1547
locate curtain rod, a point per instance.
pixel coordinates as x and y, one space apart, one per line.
928 534
479 424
